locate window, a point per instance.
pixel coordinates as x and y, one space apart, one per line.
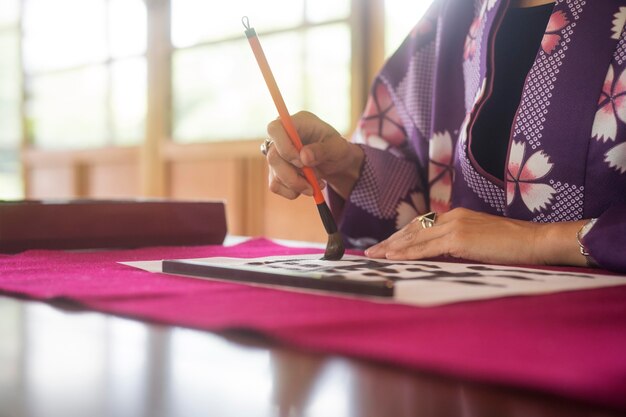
73 73
218 91
85 72
400 17
10 101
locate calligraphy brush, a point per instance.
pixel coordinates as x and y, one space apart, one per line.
334 246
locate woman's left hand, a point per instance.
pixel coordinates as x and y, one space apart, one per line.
471 235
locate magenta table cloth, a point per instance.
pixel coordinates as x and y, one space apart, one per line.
571 344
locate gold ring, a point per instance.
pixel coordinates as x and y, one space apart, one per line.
265 146
427 220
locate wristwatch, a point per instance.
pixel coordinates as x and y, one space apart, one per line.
580 237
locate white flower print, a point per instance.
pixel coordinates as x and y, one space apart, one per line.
463 130
486 6
361 242
611 106
524 176
376 142
440 171
479 93
616 157
618 22
408 211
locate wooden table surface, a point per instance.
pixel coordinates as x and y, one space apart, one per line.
58 360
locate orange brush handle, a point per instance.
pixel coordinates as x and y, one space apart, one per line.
283 114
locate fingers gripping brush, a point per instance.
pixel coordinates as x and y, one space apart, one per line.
334 246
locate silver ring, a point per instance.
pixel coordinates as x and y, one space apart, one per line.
427 220
265 146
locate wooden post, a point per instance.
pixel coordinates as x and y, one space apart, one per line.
158 117
368 50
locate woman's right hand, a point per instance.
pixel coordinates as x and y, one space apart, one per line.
334 159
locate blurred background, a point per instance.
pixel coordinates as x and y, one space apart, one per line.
163 98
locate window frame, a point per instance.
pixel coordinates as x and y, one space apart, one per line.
107 63
366 24
16 28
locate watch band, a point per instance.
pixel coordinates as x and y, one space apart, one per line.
580 239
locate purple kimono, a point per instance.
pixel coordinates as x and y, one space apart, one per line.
566 158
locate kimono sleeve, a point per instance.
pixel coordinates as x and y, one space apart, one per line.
606 241
389 192
386 197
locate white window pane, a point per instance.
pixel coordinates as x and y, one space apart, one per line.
219 92
400 17
10 124
195 21
11 187
127 27
68 109
63 33
9 12
327 74
128 100
324 10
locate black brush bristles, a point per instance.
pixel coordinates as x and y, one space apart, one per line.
334 246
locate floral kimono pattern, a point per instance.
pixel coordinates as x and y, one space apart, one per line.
566 159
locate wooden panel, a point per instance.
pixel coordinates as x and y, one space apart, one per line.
251 208
217 180
293 219
212 150
255 187
113 181
98 173
51 182
233 172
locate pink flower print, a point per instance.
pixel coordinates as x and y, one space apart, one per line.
611 106
428 23
408 210
440 171
381 118
616 158
424 27
436 205
469 49
524 175
552 36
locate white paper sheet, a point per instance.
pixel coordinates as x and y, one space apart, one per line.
419 282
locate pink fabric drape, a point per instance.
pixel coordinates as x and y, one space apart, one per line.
570 344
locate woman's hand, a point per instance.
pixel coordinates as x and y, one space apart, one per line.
471 235
334 159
